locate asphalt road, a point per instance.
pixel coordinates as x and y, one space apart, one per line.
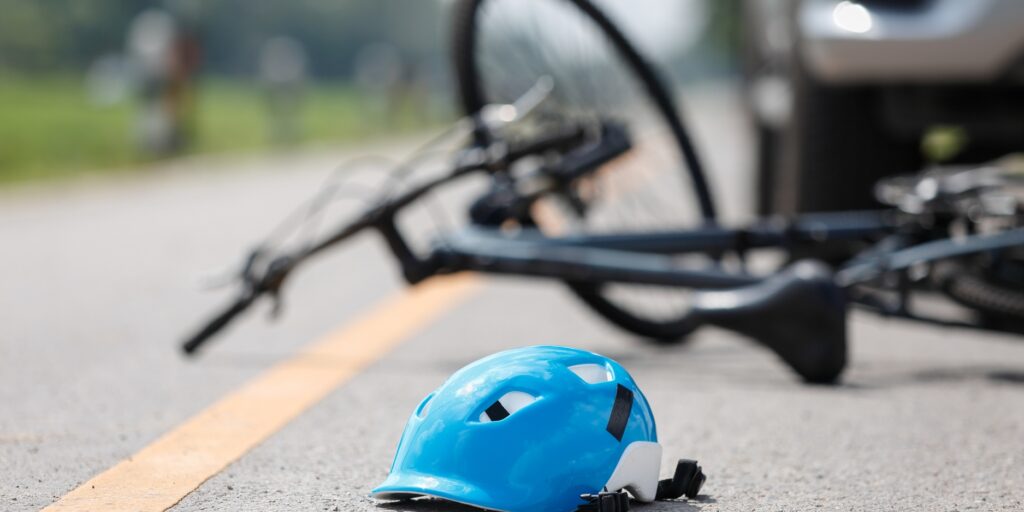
99 282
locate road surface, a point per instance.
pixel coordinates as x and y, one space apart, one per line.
100 282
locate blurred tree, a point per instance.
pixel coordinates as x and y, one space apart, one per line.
724 31
62 35
29 37
715 54
67 35
333 32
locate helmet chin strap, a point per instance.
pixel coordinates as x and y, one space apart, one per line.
617 501
687 480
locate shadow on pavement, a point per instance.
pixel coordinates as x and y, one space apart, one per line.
994 374
674 505
426 505
435 505
1005 375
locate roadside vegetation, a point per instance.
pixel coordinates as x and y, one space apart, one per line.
49 129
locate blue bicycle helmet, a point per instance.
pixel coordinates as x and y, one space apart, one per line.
529 429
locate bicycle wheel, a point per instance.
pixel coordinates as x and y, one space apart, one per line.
502 48
991 288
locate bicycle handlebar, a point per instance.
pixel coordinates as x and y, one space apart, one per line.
269 279
215 324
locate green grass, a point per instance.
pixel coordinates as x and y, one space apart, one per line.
48 126
50 130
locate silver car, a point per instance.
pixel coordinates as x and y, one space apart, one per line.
844 92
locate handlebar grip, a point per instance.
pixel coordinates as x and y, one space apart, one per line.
564 139
217 323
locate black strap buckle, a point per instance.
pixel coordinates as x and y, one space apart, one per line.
605 502
688 480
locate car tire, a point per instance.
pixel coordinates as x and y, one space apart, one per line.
833 149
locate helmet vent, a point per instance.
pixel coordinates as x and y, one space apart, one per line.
424 407
507 405
592 373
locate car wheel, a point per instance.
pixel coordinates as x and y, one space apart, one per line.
833 149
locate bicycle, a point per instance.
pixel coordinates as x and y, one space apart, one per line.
546 214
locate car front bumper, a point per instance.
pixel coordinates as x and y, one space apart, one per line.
911 42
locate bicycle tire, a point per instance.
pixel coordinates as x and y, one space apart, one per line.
473 97
998 302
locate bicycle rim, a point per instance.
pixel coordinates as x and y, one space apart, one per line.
502 47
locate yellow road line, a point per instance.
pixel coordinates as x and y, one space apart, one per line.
161 474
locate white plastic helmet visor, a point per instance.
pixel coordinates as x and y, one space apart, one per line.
638 471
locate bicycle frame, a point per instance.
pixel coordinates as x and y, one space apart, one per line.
807 302
646 258
635 258
639 258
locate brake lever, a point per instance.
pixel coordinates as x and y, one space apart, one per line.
254 286
273 280
495 118
244 272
